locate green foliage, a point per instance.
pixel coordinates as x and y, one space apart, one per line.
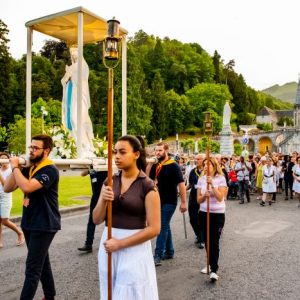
187 145
5 71
238 148
3 134
169 86
52 107
264 126
204 142
285 120
17 135
208 97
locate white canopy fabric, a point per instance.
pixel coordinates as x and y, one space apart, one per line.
64 26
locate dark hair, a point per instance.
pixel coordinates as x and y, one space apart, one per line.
46 139
5 153
137 143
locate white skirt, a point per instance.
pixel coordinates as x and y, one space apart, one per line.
269 185
133 270
296 186
5 205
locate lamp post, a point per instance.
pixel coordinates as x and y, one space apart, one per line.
44 114
111 54
208 130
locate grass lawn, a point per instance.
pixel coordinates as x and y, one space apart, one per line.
71 189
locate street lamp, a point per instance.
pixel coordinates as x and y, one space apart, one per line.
111 55
44 114
208 130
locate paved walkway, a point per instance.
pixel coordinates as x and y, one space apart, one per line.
260 258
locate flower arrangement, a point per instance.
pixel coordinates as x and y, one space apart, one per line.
100 146
64 143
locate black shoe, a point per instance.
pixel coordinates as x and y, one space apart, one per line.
167 256
286 198
157 261
241 202
270 202
248 200
201 246
86 248
262 203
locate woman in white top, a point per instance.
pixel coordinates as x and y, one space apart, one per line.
215 194
269 181
6 203
296 176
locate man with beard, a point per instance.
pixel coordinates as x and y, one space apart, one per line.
41 217
167 175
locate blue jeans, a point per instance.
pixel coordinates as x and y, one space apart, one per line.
164 243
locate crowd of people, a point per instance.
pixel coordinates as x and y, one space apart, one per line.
144 199
263 176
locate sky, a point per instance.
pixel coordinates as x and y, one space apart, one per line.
262 36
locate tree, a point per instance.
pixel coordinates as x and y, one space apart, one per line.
208 97
203 143
180 113
5 71
139 114
17 133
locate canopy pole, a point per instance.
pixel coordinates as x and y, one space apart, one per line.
28 88
79 91
124 85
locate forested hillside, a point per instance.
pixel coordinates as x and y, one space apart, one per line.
286 92
170 85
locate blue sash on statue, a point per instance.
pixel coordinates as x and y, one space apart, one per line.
69 103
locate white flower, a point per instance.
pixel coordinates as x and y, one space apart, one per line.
57 137
105 151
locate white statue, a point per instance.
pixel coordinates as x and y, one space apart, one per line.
69 104
226 114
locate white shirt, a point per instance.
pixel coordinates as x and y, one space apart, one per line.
215 206
4 174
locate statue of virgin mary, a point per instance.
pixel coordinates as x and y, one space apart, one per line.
69 104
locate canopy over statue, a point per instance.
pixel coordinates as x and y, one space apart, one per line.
74 26
226 114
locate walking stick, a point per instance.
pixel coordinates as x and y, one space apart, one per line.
208 209
184 225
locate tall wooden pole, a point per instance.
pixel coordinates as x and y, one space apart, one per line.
110 122
208 206
208 128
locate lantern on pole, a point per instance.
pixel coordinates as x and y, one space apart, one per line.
111 55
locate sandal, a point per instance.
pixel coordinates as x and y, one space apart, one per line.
21 240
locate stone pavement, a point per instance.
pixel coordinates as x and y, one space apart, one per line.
260 258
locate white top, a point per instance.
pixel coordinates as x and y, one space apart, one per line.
4 174
269 179
242 174
215 206
296 183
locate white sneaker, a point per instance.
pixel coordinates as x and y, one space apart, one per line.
204 270
213 277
